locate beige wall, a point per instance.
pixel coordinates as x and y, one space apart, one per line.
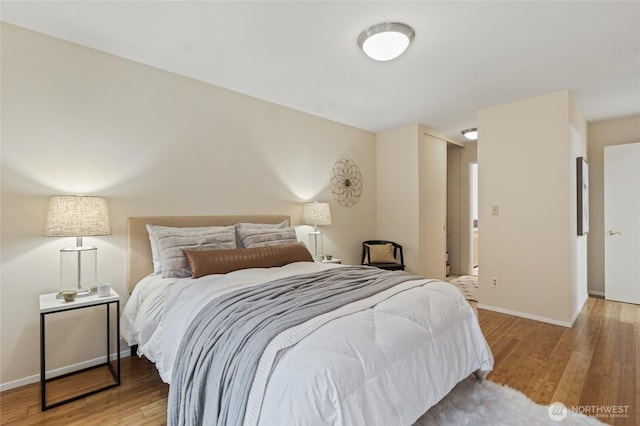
601 134
526 165
75 120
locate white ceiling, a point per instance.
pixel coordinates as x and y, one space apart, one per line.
465 56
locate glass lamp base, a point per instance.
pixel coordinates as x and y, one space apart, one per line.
315 243
78 269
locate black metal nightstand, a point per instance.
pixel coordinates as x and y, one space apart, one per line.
50 305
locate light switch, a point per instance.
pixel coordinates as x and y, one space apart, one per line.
494 210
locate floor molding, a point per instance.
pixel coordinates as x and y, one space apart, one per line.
60 371
535 317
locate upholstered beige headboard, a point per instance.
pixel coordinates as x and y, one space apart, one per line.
139 249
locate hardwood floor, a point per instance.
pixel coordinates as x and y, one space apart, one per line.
593 367
141 399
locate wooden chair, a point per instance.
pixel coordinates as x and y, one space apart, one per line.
386 255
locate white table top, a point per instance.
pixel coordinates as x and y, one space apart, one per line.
49 303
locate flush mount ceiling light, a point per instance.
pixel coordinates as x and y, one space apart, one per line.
471 134
385 41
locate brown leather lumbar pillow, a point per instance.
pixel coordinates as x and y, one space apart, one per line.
207 262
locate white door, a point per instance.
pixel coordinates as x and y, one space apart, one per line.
622 222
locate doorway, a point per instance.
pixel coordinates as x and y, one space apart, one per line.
622 222
473 217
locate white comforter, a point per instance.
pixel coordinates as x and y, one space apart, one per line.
384 365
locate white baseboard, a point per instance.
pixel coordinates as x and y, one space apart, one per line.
529 316
536 317
597 293
60 371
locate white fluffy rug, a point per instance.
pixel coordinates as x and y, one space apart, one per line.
477 403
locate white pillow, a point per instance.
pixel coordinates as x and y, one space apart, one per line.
247 226
168 242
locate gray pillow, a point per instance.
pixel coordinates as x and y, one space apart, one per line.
266 236
153 240
172 243
248 226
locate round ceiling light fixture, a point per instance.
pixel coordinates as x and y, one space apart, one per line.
471 134
386 41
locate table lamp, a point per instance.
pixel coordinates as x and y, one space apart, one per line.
316 214
77 216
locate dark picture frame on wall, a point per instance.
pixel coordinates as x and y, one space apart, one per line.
583 195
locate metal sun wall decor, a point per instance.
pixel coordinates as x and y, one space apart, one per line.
346 182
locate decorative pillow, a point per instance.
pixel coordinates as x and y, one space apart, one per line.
171 244
246 226
207 262
153 239
381 253
261 237
155 251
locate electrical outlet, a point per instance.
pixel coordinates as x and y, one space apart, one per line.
494 282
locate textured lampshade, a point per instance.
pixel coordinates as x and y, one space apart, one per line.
316 214
77 216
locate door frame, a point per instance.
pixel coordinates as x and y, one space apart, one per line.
473 204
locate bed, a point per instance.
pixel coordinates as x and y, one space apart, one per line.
292 341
